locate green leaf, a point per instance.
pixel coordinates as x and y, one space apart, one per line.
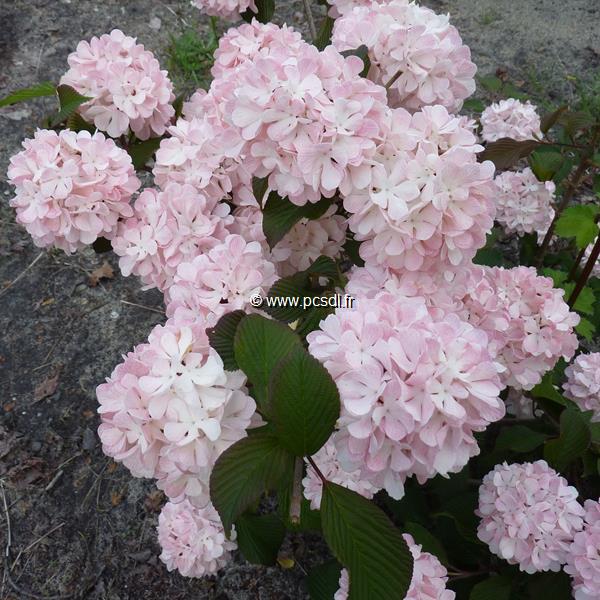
46 88
519 438
546 389
545 164
259 537
280 215
494 588
505 152
304 401
259 188
576 121
221 337
323 581
586 329
549 586
585 301
365 541
259 344
473 105
324 34
251 466
430 543
76 122
266 8
292 289
491 83
142 152
70 100
579 222
313 319
550 119
575 437
363 53
102 245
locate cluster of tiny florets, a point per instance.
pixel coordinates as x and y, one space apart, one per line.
583 383
510 119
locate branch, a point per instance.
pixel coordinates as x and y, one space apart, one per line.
296 499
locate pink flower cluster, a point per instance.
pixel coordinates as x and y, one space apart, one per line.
510 119
527 320
413 47
228 9
413 389
193 539
524 204
583 559
221 280
71 188
529 515
424 201
170 409
583 383
428 581
166 229
127 87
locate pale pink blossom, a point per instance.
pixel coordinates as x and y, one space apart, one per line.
166 229
429 577
529 515
170 409
412 46
127 86
71 188
528 322
596 267
329 465
193 540
524 204
221 280
227 9
413 388
583 383
583 557
510 119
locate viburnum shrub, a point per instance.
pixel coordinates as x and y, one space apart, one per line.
372 300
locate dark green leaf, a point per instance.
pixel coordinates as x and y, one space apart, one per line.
280 215
545 165
427 540
37 91
291 290
491 257
506 152
313 319
491 83
352 249
70 100
546 389
550 119
365 541
586 329
519 438
142 152
221 337
259 537
473 105
363 53
549 586
576 121
259 345
494 588
574 439
323 581
266 8
178 105
259 188
324 34
76 122
304 402
244 471
579 222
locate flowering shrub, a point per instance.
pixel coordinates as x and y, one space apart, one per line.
416 427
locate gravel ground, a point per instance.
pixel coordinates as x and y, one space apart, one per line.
80 525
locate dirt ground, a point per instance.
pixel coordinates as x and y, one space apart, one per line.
81 526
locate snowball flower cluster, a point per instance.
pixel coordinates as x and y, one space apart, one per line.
424 201
170 409
221 280
583 559
527 320
413 389
428 581
510 119
127 86
71 188
583 383
529 515
228 9
193 539
329 465
166 229
413 47
524 204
